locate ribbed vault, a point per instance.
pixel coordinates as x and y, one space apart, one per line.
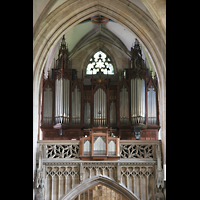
101 36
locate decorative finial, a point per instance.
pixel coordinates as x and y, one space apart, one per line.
48 74
63 43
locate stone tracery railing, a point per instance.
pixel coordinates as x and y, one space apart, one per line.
59 149
129 149
136 151
62 151
60 169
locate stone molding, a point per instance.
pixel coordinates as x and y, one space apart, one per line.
99 180
62 178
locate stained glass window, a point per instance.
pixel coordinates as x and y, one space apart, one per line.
98 62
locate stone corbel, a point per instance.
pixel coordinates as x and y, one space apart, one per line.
40 181
39 185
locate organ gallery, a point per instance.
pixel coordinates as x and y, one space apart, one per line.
111 106
99 97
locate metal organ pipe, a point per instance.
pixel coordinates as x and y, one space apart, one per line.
124 106
64 106
112 114
68 89
100 108
47 108
101 101
61 100
57 100
62 87
137 101
87 114
111 148
152 116
76 106
66 100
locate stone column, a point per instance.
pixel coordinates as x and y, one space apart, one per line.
119 180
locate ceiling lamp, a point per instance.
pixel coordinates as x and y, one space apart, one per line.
99 20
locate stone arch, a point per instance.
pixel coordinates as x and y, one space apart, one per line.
73 12
99 180
57 25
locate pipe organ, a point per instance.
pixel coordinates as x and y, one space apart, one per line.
70 109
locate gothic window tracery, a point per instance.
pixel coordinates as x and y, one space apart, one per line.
100 62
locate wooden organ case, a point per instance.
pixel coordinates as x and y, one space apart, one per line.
99 145
72 110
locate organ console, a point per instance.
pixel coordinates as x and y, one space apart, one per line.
71 110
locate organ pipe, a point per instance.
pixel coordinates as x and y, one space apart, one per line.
152 110
137 101
124 106
100 108
47 108
112 114
76 106
62 90
111 147
100 146
87 114
87 147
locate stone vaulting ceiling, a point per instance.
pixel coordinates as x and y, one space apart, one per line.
87 37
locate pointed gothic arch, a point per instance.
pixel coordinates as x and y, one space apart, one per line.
99 180
49 30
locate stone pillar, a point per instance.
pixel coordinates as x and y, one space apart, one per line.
119 180
81 173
